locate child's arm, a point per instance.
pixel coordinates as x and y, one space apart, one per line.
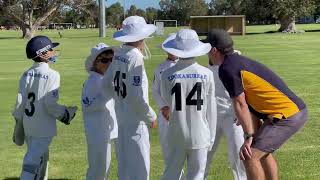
61 112
211 110
156 91
93 97
18 110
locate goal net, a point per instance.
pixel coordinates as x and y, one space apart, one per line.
161 24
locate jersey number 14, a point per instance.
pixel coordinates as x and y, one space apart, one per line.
189 101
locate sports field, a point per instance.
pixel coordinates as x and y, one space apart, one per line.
295 57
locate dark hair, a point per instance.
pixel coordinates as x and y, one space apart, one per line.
226 51
37 59
221 40
109 51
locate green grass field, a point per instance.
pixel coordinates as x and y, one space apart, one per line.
295 57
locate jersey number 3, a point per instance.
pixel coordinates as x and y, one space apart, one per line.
189 101
121 89
32 98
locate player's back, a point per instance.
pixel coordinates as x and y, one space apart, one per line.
186 87
130 84
36 83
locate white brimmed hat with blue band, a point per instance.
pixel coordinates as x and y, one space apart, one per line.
185 44
134 28
95 52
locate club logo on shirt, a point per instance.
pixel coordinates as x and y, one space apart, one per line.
136 81
55 93
86 102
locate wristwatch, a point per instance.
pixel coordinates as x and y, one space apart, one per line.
247 136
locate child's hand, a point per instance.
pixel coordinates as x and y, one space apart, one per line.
70 113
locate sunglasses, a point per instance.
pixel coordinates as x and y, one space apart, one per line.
106 60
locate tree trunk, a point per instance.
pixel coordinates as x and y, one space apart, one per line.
288 24
27 32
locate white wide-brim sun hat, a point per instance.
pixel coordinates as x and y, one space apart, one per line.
95 52
185 44
134 28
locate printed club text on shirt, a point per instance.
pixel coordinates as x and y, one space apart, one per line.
121 59
37 75
187 76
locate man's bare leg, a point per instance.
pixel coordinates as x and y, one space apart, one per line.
254 167
270 167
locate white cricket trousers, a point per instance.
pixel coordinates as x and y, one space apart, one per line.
134 152
234 135
98 149
196 163
163 131
35 160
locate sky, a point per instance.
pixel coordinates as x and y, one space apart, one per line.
143 4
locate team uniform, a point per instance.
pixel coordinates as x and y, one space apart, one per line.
100 126
127 79
227 126
163 123
37 108
268 97
188 89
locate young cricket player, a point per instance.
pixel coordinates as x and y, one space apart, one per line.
98 113
37 107
163 123
227 126
189 92
127 79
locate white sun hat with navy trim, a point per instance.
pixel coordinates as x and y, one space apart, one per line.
185 44
95 52
134 28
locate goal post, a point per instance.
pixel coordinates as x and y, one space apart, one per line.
161 24
165 21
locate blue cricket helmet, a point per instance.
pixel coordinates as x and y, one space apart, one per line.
39 45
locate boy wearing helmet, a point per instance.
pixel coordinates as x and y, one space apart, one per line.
36 108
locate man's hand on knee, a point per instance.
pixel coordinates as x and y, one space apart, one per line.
245 150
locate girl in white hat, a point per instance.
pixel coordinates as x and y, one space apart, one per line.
127 78
98 113
188 88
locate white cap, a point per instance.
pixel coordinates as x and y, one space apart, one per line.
95 52
185 44
134 28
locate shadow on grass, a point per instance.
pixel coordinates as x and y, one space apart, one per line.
272 32
16 178
314 30
81 37
10 38
267 32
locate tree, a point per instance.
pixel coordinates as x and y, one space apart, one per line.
286 11
115 14
132 10
141 12
226 7
151 14
30 14
181 10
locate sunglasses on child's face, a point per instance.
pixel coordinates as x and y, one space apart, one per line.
106 60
